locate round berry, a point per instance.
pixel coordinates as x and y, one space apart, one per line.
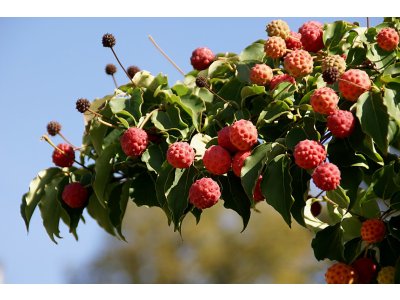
82 105
386 275
201 81
277 79
53 128
75 195
334 61
217 160
108 40
341 123
275 47
298 63
387 39
353 83
260 74
257 194
373 231
293 41
180 155
365 268
311 36
204 193
278 28
324 100
202 58
243 135
326 176
340 273
224 139
331 75
64 156
134 141
309 154
238 161
111 69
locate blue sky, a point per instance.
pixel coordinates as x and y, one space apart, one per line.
46 65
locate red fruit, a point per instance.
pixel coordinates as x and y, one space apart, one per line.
293 41
75 195
340 273
238 160
217 160
277 79
309 154
373 231
341 123
316 208
260 74
365 269
298 63
353 83
326 176
311 36
180 155
224 139
202 58
134 141
243 135
257 194
204 193
324 100
387 39
275 47
65 157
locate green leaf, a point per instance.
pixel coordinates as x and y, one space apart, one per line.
352 250
334 33
302 132
103 168
381 58
154 156
164 179
143 190
178 193
350 180
117 204
254 51
235 197
273 111
283 91
328 243
343 155
170 120
96 134
385 182
36 191
374 118
50 208
276 186
351 228
101 213
339 197
300 188
232 90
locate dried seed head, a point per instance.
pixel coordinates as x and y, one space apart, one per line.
108 40
111 69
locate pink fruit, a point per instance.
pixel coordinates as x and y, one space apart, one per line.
238 160
324 100
224 139
277 79
65 157
260 74
387 39
293 41
243 135
217 160
275 47
311 36
75 195
309 154
257 194
373 231
365 268
353 83
202 58
326 176
298 63
180 155
341 123
340 273
134 141
204 193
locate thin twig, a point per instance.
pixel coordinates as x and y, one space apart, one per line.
148 116
115 82
166 56
116 57
368 23
65 139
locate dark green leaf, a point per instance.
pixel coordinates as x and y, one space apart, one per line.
300 133
335 32
328 243
117 204
97 133
170 120
154 157
144 190
352 249
276 186
300 188
164 180
235 197
101 213
350 180
339 197
254 51
385 182
273 111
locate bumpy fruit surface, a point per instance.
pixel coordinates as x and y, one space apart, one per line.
204 193
243 135
386 275
387 39
110 69
217 160
277 79
275 47
365 269
293 41
331 75
309 154
373 231
311 36
257 194
75 195
108 40
278 28
53 128
64 158
326 176
180 155
340 273
334 61
82 105
316 208
260 74
298 63
341 123
324 100
238 160
134 141
202 58
353 83
201 82
224 139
